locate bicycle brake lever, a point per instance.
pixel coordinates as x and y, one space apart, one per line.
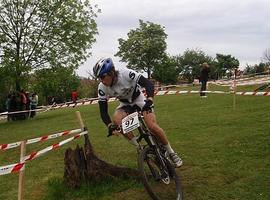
117 128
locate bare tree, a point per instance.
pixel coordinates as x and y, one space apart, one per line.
266 55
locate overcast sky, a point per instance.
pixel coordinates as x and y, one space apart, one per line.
237 27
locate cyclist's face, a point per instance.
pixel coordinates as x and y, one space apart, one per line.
106 80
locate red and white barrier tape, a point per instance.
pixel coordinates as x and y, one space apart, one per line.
55 106
85 102
19 166
22 111
254 93
39 139
168 92
244 81
4 115
162 92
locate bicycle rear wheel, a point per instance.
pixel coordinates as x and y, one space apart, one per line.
161 184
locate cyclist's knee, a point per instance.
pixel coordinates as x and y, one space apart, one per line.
154 127
118 116
117 119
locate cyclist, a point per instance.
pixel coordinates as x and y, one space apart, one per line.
125 84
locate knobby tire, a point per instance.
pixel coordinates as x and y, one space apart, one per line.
164 191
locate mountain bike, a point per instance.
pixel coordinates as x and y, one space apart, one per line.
157 172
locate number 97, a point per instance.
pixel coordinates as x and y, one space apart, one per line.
129 122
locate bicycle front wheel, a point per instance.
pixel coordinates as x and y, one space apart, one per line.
160 184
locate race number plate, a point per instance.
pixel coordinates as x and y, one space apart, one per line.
130 122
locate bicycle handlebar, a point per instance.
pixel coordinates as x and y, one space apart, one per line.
114 128
119 127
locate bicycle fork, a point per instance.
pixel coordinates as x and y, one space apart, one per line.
151 141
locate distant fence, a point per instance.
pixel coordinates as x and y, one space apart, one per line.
169 92
160 91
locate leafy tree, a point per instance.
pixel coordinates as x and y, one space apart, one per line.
248 69
260 68
256 69
144 48
166 72
88 88
4 87
57 82
190 63
40 33
225 64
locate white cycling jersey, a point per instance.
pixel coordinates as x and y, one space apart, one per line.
126 88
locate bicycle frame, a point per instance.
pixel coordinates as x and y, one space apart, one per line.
152 158
151 140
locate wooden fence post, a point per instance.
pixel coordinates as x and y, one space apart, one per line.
79 117
234 89
21 174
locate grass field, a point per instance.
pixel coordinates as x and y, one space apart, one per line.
226 151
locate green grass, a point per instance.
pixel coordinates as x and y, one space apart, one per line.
213 87
57 189
226 151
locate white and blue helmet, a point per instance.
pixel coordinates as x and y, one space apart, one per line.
103 66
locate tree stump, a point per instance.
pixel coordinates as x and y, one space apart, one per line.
83 165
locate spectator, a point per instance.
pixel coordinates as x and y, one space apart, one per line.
36 95
33 104
22 105
8 104
14 106
74 96
23 99
27 105
204 78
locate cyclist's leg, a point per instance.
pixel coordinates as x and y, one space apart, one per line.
150 120
151 123
119 114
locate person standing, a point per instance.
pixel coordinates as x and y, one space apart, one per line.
204 74
27 105
74 96
33 104
14 105
36 96
8 103
125 84
23 104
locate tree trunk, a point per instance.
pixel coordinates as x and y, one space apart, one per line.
149 73
82 165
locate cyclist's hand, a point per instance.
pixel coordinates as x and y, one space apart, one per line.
113 129
148 105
